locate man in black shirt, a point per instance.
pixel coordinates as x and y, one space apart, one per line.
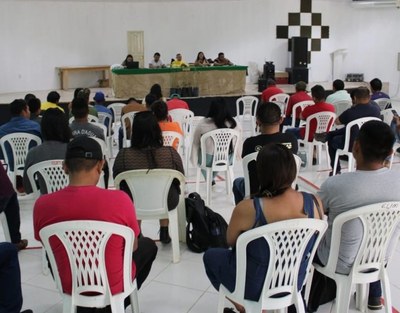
269 118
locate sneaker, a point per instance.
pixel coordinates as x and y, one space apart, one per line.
337 173
164 235
374 303
27 311
320 137
21 245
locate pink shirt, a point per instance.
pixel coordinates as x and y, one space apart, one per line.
176 103
269 92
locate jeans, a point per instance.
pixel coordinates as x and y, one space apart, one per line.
10 279
294 131
10 206
335 142
238 189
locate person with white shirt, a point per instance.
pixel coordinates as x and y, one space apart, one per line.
339 93
156 62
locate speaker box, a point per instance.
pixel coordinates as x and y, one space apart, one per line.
297 74
269 70
299 51
262 84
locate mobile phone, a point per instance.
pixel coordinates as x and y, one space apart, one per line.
395 113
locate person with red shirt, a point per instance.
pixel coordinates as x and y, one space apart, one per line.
83 200
318 95
176 103
299 96
270 91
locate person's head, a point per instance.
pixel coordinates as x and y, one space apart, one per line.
34 105
179 57
220 115
376 84
29 96
338 84
276 169
150 99
19 108
84 158
301 86
131 100
268 114
80 108
84 94
271 82
99 97
200 56
53 97
221 56
157 56
145 131
76 91
361 95
160 110
54 126
129 58
318 93
156 90
373 144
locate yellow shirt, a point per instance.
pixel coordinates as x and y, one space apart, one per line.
49 105
177 63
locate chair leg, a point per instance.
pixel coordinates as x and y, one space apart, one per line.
343 295
350 163
361 297
134 301
309 151
328 159
221 302
336 162
173 231
386 292
208 186
198 179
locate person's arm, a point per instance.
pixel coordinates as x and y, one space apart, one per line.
177 161
118 163
242 219
323 196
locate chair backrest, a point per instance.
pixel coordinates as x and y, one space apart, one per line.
116 108
225 142
349 129
180 116
106 119
52 175
85 243
383 103
149 189
103 128
173 139
290 239
341 106
302 105
6 230
127 122
91 118
280 99
324 121
378 222
19 143
249 107
387 116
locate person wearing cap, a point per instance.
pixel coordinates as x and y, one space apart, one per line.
299 96
176 103
53 99
83 200
100 105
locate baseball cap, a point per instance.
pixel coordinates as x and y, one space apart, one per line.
99 97
84 148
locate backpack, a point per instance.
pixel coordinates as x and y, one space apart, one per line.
205 228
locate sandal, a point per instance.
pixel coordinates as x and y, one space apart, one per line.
229 310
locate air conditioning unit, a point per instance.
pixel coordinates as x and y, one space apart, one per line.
376 3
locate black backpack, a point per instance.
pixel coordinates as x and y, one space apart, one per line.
205 228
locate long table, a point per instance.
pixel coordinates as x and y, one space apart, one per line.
210 81
65 70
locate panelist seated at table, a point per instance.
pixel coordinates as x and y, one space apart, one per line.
129 63
221 60
156 62
201 60
178 62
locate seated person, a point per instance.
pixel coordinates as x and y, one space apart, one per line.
178 62
276 201
201 60
147 152
268 120
221 60
156 62
82 200
270 91
176 103
10 280
376 89
34 107
128 59
339 93
299 96
53 100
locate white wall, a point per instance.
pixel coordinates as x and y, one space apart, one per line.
38 36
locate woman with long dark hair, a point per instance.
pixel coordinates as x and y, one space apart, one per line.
147 152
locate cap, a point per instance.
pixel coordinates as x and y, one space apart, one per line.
84 148
99 97
175 95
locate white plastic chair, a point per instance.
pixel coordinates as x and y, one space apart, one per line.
180 115
286 238
302 105
383 103
170 138
387 116
116 108
6 230
346 147
280 99
85 243
149 190
126 121
248 111
325 121
19 143
190 129
91 118
379 222
253 157
341 106
103 118
222 139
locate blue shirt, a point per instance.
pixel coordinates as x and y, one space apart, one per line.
102 108
379 95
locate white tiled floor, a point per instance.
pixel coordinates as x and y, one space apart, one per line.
170 288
